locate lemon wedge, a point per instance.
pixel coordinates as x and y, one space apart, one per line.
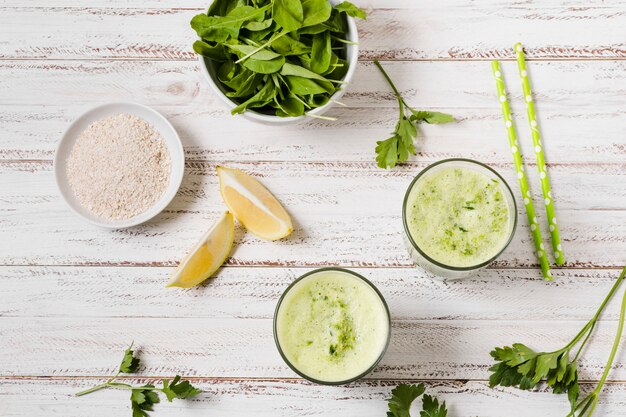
253 205
207 256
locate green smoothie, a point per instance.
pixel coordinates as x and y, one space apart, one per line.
332 326
458 216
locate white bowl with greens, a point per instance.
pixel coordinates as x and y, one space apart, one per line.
279 61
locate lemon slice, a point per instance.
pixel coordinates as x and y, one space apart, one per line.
207 256
253 205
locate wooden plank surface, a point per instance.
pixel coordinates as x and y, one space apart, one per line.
419 349
288 398
405 30
252 293
359 216
73 296
574 130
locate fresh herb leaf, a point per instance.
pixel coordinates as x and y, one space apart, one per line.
519 366
178 389
129 363
215 53
431 117
403 396
263 66
315 12
431 407
288 14
398 147
321 52
143 397
220 28
141 401
297 70
351 10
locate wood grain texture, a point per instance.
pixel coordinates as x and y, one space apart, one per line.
288 398
252 293
73 296
403 30
419 349
33 119
353 208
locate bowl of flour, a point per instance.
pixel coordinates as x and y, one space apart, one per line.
119 165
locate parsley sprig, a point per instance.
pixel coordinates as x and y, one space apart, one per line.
521 367
403 396
398 147
143 397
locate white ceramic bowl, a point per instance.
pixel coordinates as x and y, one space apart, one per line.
352 54
159 122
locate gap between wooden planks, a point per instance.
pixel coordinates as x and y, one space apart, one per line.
394 31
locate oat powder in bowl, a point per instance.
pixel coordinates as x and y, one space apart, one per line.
118 167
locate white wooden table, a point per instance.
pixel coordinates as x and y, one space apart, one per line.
72 296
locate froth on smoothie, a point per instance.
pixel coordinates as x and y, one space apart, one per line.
332 326
459 217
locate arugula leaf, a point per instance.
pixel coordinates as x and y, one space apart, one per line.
288 14
220 28
315 12
290 107
305 86
264 95
351 10
129 363
285 44
264 66
401 144
215 53
297 70
321 52
253 52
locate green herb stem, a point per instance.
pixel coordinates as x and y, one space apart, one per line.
393 87
593 320
618 336
92 389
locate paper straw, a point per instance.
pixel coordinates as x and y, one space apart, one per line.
521 174
541 161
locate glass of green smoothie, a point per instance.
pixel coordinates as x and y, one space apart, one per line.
459 215
332 326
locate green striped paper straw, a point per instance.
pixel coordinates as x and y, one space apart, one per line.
521 174
541 162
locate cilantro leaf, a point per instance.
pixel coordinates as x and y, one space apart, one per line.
387 152
401 399
142 401
430 117
129 363
431 407
143 397
180 390
521 367
398 147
